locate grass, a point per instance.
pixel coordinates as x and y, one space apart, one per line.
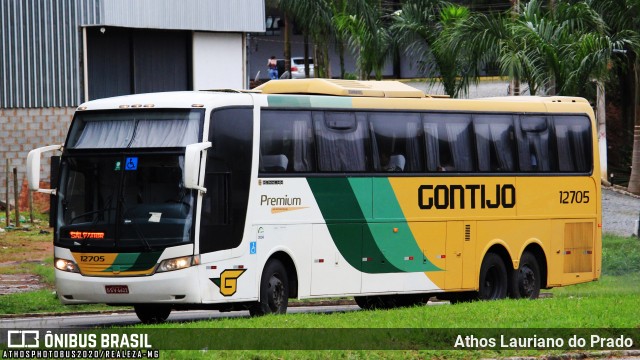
611 302
28 250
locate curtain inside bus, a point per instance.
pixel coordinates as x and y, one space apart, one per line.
135 129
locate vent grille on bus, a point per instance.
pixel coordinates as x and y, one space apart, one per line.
467 233
578 247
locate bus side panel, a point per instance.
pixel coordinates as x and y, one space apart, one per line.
514 236
331 273
575 247
226 278
552 197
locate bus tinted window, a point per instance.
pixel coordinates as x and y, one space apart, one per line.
534 145
448 142
135 129
495 143
341 141
287 142
396 142
415 142
574 143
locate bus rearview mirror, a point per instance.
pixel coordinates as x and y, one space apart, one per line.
33 168
190 173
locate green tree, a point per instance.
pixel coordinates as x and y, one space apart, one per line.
367 34
313 18
622 19
419 27
556 50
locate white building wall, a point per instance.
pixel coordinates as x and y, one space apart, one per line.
218 61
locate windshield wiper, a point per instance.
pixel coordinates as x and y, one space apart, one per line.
135 227
106 207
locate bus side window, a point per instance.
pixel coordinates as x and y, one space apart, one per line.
494 143
534 144
448 142
396 142
341 139
286 142
574 145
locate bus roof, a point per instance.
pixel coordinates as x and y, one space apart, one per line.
176 99
339 94
354 88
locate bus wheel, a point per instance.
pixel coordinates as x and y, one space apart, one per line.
462 297
274 290
493 278
152 313
371 302
526 280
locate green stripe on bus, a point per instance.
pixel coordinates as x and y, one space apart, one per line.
347 225
346 205
395 238
134 261
301 101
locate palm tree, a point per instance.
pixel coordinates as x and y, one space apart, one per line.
566 46
622 18
314 19
420 26
367 35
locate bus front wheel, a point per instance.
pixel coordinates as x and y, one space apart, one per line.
526 280
152 313
493 278
274 290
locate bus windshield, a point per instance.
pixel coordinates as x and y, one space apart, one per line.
125 201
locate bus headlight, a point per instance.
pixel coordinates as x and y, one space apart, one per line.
178 263
66 265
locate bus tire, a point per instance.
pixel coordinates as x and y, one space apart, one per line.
371 302
462 297
525 283
493 278
274 290
152 313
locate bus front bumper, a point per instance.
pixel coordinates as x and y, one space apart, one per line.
177 287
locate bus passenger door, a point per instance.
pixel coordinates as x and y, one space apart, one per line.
336 262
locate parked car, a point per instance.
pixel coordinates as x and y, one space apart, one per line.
297 68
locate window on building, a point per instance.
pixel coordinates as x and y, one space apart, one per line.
131 61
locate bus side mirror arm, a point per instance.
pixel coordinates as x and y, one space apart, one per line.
33 168
190 173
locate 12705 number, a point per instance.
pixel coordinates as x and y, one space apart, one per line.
85 258
574 197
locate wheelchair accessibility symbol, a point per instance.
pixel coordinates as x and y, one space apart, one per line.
131 163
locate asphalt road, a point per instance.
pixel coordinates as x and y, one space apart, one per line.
129 318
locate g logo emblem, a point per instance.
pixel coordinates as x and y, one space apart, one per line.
228 281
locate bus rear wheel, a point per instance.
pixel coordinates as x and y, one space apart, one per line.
525 283
152 313
274 290
493 278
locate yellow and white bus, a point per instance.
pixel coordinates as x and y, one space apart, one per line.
318 188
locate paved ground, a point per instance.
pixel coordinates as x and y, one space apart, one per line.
620 212
14 283
486 88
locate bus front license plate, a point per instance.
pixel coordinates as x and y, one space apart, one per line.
117 289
